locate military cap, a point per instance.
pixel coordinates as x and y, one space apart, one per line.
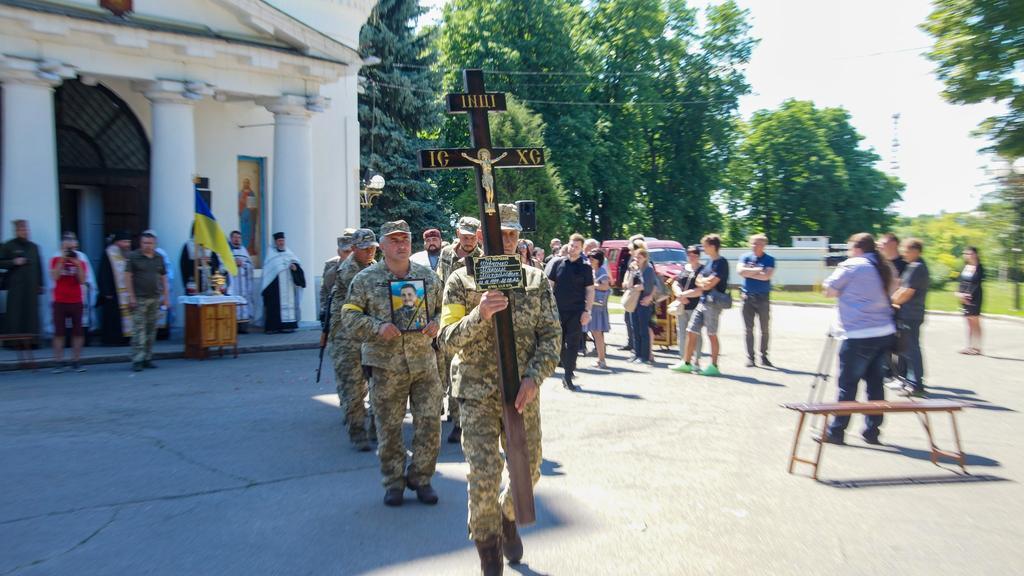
364 238
509 217
468 225
396 227
345 240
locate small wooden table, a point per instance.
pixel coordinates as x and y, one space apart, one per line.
921 407
210 322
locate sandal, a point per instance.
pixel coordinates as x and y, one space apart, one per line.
966 351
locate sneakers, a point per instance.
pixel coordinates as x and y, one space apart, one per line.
683 367
148 364
873 440
58 369
828 439
137 367
711 370
751 363
765 362
77 367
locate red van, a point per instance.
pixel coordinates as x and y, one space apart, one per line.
668 257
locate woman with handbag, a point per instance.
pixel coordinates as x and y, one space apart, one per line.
713 281
643 283
865 328
599 323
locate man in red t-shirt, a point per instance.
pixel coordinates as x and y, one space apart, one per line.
68 273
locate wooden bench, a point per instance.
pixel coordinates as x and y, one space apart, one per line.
921 407
23 347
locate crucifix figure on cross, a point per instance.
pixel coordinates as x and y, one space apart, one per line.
483 159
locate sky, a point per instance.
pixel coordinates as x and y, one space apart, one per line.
867 56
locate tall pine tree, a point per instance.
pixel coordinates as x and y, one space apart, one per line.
398 106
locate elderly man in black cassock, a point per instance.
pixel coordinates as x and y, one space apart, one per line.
283 281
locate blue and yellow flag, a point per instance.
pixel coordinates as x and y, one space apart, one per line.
209 234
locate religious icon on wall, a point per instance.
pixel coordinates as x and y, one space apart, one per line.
250 207
409 304
118 7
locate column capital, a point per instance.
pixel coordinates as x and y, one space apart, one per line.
174 91
295 106
35 72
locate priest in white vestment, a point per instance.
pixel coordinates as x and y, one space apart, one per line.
241 284
283 280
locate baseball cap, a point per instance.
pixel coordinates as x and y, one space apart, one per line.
345 240
468 225
364 238
396 227
509 217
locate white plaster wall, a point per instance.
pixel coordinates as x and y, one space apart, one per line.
203 11
339 19
802 267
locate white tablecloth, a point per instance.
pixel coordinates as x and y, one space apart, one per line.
203 300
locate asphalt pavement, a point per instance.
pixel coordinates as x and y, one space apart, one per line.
240 466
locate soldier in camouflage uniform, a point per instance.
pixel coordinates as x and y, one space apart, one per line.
345 351
403 364
452 258
331 271
467 330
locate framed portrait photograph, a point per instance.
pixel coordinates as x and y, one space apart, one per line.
409 304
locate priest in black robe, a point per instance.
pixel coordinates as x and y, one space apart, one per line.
283 281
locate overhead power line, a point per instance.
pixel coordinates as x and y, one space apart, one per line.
574 103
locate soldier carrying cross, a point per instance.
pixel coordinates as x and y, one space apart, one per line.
499 400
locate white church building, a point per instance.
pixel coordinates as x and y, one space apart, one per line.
111 108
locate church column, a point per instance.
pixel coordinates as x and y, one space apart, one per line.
172 166
30 149
292 187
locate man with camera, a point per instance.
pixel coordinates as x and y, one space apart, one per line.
69 273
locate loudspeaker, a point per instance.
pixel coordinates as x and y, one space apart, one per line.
527 215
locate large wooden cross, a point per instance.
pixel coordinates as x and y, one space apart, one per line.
483 159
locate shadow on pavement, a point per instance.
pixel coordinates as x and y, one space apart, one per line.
976 402
790 371
917 454
611 394
1007 358
551 468
749 380
524 568
913 481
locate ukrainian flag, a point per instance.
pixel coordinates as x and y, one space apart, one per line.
209 234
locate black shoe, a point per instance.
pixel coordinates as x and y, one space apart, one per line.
393 497
568 385
626 347
873 440
751 363
828 439
511 543
426 494
765 362
148 364
456 435
75 366
361 444
137 367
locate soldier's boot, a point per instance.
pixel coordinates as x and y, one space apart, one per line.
360 442
490 556
456 435
511 543
371 430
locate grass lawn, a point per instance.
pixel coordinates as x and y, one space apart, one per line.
998 298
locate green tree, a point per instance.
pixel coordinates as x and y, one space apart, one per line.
979 48
518 127
398 105
800 170
515 35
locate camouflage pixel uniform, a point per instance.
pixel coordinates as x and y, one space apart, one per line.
345 352
404 369
329 276
477 385
447 263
